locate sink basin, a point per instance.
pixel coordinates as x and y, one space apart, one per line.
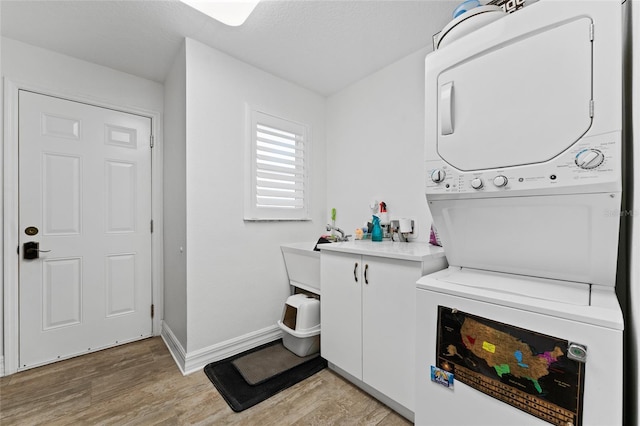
303 265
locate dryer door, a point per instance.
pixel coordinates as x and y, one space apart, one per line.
521 102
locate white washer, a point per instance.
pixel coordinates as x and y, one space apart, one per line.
521 314
523 180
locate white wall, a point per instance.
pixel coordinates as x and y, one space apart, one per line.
237 282
375 146
175 199
60 73
52 72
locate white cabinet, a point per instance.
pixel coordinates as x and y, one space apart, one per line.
341 311
368 319
388 327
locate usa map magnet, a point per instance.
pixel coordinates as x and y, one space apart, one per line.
522 368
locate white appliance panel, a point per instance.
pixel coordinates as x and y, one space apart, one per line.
594 305
541 289
506 107
437 405
562 175
570 237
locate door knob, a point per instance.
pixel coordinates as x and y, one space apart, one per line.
31 250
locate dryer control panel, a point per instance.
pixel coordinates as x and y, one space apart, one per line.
590 165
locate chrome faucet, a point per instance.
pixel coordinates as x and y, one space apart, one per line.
342 236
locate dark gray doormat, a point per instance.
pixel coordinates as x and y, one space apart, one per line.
256 367
241 395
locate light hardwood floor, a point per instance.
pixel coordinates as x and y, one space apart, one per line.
139 384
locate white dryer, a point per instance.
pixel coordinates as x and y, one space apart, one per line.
523 180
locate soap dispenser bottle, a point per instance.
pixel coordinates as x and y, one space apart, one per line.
376 232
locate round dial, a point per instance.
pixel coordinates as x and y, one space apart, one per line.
589 158
500 181
438 175
476 183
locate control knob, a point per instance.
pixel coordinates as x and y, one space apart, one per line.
476 183
438 175
589 159
500 181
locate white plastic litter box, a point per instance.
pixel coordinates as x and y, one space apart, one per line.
301 324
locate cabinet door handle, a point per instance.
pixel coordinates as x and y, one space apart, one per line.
355 272
366 269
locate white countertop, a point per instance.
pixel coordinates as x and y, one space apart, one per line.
418 252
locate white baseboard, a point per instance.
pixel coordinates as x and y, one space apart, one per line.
175 347
195 361
1 366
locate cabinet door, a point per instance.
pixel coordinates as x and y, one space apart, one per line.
388 327
341 311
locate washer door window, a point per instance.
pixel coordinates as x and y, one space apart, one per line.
522 102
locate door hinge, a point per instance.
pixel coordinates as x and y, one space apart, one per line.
152 226
591 108
152 311
151 141
591 30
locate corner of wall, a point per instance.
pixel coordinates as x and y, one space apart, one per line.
232 262
175 347
174 198
379 120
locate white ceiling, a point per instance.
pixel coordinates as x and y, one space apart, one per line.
322 45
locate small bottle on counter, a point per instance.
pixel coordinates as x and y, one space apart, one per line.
376 232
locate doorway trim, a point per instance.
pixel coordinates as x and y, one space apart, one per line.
10 213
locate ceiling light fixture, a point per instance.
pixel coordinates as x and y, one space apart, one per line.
229 12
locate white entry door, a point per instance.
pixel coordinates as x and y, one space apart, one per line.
85 198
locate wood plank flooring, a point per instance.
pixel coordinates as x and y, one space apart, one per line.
139 384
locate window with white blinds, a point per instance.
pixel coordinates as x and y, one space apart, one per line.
278 169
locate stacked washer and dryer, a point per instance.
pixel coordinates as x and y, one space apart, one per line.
523 160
